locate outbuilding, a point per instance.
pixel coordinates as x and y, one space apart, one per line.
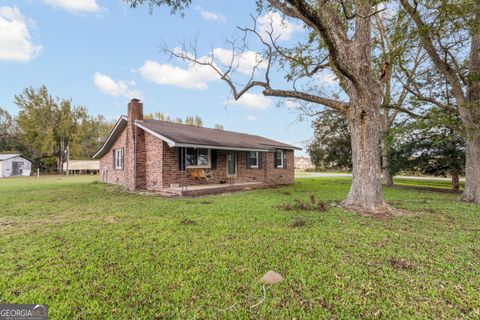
12 165
81 166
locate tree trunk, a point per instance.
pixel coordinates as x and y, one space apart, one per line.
366 193
60 157
387 177
455 181
471 192
470 114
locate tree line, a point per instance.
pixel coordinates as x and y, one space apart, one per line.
429 145
46 127
189 120
392 60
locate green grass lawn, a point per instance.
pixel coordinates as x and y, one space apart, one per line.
90 251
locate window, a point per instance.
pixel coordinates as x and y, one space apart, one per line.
191 157
118 158
198 157
202 157
253 159
279 159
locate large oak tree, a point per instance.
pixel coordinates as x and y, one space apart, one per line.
343 30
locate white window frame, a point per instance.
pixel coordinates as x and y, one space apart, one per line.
207 166
280 165
119 158
256 157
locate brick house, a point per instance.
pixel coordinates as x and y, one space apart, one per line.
173 158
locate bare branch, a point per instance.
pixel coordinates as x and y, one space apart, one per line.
427 42
328 24
401 109
351 16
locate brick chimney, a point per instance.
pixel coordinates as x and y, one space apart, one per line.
135 110
135 151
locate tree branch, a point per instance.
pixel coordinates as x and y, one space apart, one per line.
427 42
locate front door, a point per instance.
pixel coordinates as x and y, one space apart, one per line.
231 163
17 168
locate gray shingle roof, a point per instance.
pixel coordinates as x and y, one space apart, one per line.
182 134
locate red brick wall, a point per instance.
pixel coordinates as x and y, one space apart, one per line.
132 140
140 158
172 174
107 172
153 162
157 165
281 175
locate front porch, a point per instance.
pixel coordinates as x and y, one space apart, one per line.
214 188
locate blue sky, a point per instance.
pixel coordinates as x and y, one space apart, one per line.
100 53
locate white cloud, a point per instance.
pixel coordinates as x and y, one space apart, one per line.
15 39
253 101
292 104
115 88
249 117
75 6
244 61
212 16
282 29
327 78
193 77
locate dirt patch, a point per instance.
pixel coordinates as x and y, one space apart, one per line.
6 225
111 219
400 263
298 222
187 221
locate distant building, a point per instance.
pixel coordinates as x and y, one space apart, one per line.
82 166
12 165
303 163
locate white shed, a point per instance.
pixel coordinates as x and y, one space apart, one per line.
82 165
14 165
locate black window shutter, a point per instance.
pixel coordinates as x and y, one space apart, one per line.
181 159
260 160
285 159
275 164
213 154
113 157
247 159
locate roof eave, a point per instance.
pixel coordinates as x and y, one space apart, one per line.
169 141
286 147
102 148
